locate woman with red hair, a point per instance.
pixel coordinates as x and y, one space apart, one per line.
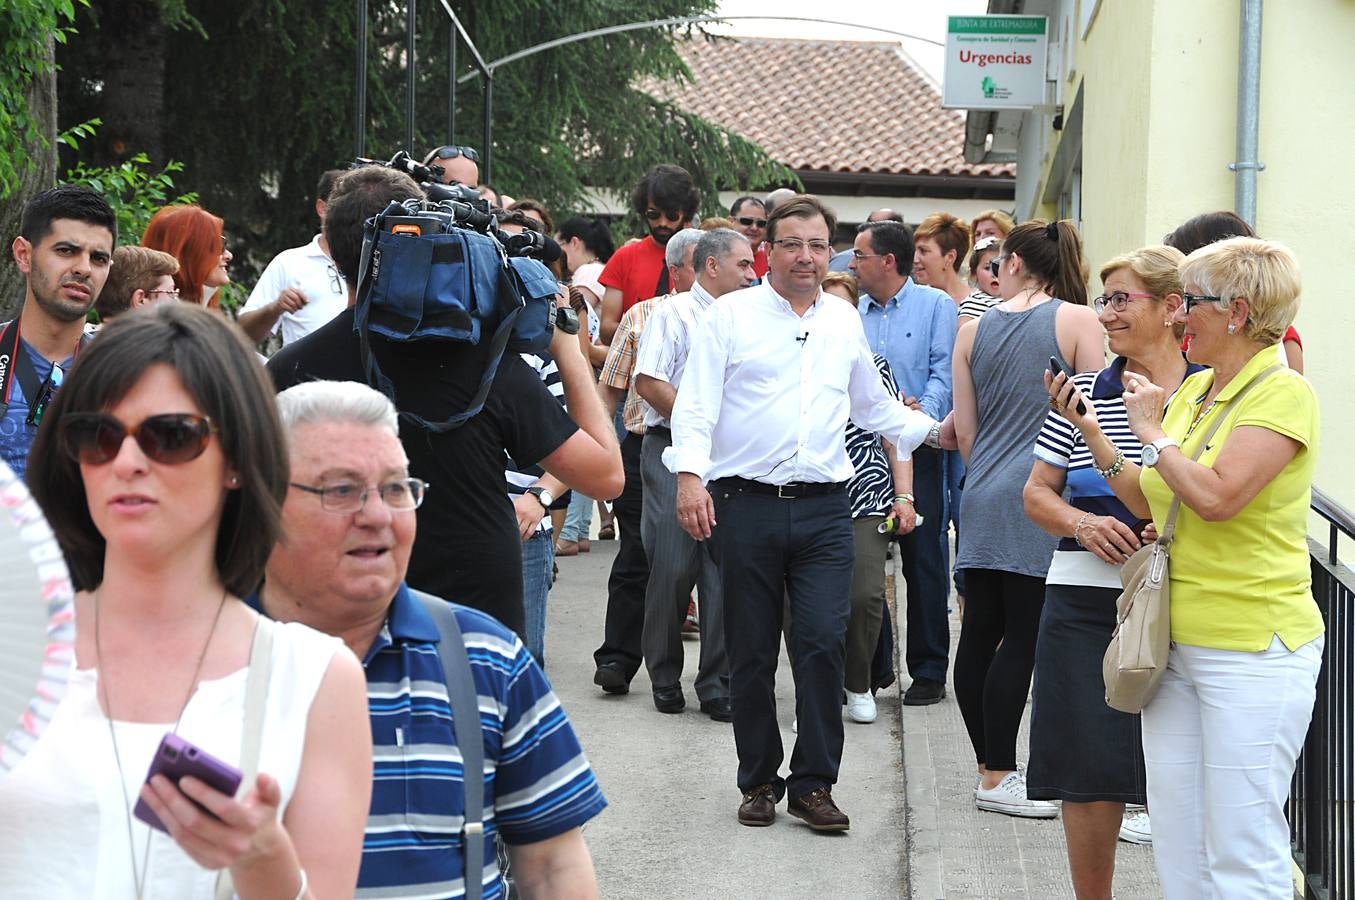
196 239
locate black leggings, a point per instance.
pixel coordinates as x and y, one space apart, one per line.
995 658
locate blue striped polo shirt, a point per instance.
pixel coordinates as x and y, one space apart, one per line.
537 782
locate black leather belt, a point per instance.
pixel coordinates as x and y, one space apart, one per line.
660 430
792 491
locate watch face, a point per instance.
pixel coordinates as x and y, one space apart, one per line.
1150 456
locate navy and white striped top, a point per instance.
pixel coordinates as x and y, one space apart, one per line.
1060 444
519 479
537 782
871 489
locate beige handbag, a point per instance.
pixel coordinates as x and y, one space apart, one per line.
1137 654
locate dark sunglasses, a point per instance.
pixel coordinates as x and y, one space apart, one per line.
746 221
995 265
93 439
655 215
454 152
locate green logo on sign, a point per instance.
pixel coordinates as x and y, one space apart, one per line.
989 86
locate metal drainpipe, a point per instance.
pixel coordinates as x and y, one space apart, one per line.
1248 110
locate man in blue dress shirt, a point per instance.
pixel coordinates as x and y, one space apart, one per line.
913 327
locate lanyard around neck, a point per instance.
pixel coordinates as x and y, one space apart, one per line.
15 363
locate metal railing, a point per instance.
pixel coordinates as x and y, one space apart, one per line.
1322 797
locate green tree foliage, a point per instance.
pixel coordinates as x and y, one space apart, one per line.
258 99
25 28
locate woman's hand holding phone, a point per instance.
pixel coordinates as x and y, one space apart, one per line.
1066 399
231 832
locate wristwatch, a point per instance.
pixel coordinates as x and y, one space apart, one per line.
1153 452
933 438
543 496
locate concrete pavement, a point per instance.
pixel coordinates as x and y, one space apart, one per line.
906 781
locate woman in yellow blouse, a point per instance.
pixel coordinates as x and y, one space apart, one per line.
1223 731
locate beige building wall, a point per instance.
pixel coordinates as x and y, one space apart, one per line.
1159 95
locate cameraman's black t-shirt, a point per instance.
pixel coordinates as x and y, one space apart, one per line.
467 548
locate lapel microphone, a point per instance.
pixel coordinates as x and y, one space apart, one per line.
802 338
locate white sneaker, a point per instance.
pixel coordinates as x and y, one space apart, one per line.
861 707
1009 798
1135 829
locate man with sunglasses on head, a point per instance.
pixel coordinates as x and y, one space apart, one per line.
65 251
666 199
460 165
750 218
301 289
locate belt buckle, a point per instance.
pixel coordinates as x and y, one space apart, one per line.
781 493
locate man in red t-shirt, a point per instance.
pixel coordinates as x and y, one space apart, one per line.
667 199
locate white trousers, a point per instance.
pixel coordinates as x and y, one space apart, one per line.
1220 740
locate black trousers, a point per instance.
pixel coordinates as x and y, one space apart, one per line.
769 549
630 571
926 572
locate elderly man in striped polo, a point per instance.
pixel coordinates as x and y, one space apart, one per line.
349 520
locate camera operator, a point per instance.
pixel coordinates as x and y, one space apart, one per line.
468 547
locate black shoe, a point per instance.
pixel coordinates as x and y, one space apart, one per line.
669 699
611 677
720 709
924 692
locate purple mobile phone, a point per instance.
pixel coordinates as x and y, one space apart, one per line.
175 758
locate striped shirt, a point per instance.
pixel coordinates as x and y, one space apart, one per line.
1060 444
619 369
978 303
537 782
871 489
521 478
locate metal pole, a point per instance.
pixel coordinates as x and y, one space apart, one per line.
410 72
360 91
451 82
486 172
1248 110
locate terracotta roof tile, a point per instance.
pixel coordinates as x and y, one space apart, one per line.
829 106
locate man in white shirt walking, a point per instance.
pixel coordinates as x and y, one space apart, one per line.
773 376
723 260
301 289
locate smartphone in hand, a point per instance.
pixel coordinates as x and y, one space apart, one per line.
175 758
1055 367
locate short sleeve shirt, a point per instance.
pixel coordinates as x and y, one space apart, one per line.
1238 583
467 547
310 270
16 435
871 489
634 270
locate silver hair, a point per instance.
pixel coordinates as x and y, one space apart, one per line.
717 243
348 402
678 244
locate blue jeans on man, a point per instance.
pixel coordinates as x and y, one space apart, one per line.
538 555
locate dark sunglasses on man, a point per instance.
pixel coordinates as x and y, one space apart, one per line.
748 221
452 152
672 215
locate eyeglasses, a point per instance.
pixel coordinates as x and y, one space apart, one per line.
749 221
50 385
995 265
93 439
654 215
795 245
335 281
454 152
1191 299
172 293
858 255
349 496
1117 301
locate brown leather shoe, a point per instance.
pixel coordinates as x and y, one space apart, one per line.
819 811
566 548
758 808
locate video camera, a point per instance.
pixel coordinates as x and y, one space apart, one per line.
439 269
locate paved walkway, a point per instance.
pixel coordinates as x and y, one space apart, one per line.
906 781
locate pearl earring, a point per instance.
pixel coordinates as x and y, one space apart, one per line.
1232 328
1167 324
234 481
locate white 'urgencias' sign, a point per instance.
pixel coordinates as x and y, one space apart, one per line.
995 62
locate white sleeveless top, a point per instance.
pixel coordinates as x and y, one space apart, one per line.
63 820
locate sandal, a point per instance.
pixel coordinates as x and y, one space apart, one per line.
607 532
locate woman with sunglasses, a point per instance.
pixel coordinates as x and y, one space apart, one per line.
1082 752
1000 402
1223 731
195 238
161 468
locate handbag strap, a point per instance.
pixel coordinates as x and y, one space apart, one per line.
465 703
251 736
1169 526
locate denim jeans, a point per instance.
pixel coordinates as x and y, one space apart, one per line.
538 554
578 518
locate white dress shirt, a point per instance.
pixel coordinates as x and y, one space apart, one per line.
667 339
767 394
311 271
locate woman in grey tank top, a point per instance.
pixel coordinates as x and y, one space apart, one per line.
1000 404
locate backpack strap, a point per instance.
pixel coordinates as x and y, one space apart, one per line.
251 736
466 730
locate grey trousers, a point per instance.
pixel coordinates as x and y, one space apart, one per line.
677 564
868 601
